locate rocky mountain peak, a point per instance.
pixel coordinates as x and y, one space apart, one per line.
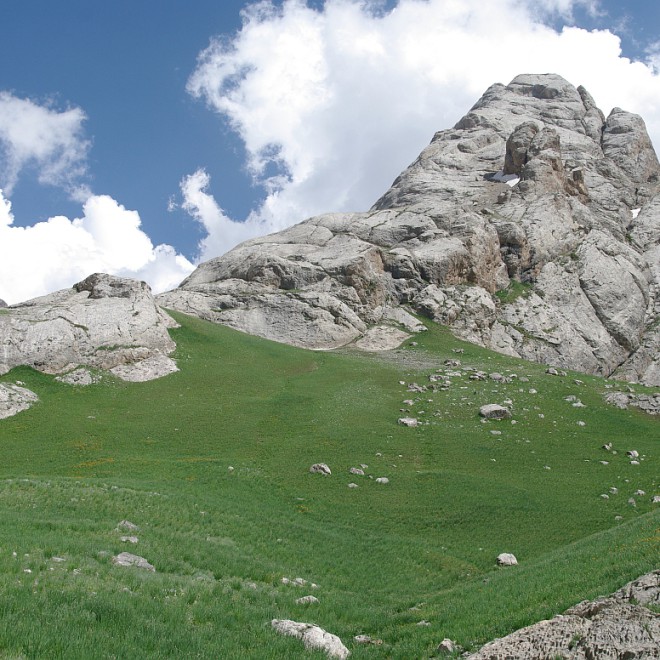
535 186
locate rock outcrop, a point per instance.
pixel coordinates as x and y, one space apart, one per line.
104 322
15 399
534 186
619 626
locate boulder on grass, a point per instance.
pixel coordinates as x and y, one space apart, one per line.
494 411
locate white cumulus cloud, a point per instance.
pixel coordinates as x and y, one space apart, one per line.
332 104
52 141
55 254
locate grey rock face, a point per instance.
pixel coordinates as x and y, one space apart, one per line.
2 303
103 322
607 628
534 186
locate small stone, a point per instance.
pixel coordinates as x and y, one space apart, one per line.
446 647
604 462
552 372
655 499
496 432
358 471
494 411
408 421
307 600
581 423
605 496
640 493
382 480
632 501
352 485
126 559
128 526
614 490
633 453
506 559
423 623
320 468
129 539
634 462
532 391
313 637
230 468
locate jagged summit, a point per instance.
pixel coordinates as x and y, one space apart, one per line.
535 185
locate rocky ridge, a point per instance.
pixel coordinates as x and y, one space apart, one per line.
104 322
532 227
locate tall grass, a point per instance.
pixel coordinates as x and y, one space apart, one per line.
213 463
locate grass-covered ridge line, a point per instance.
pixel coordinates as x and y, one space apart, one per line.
158 454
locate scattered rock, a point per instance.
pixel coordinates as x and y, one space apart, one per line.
127 559
447 647
494 411
408 421
358 471
320 468
313 637
506 559
128 526
307 600
382 480
298 582
633 453
366 639
15 399
352 485
129 539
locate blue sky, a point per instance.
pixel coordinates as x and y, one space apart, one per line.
147 122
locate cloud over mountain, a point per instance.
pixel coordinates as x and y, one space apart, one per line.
331 104
56 253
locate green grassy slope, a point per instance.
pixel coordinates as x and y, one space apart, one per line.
385 557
